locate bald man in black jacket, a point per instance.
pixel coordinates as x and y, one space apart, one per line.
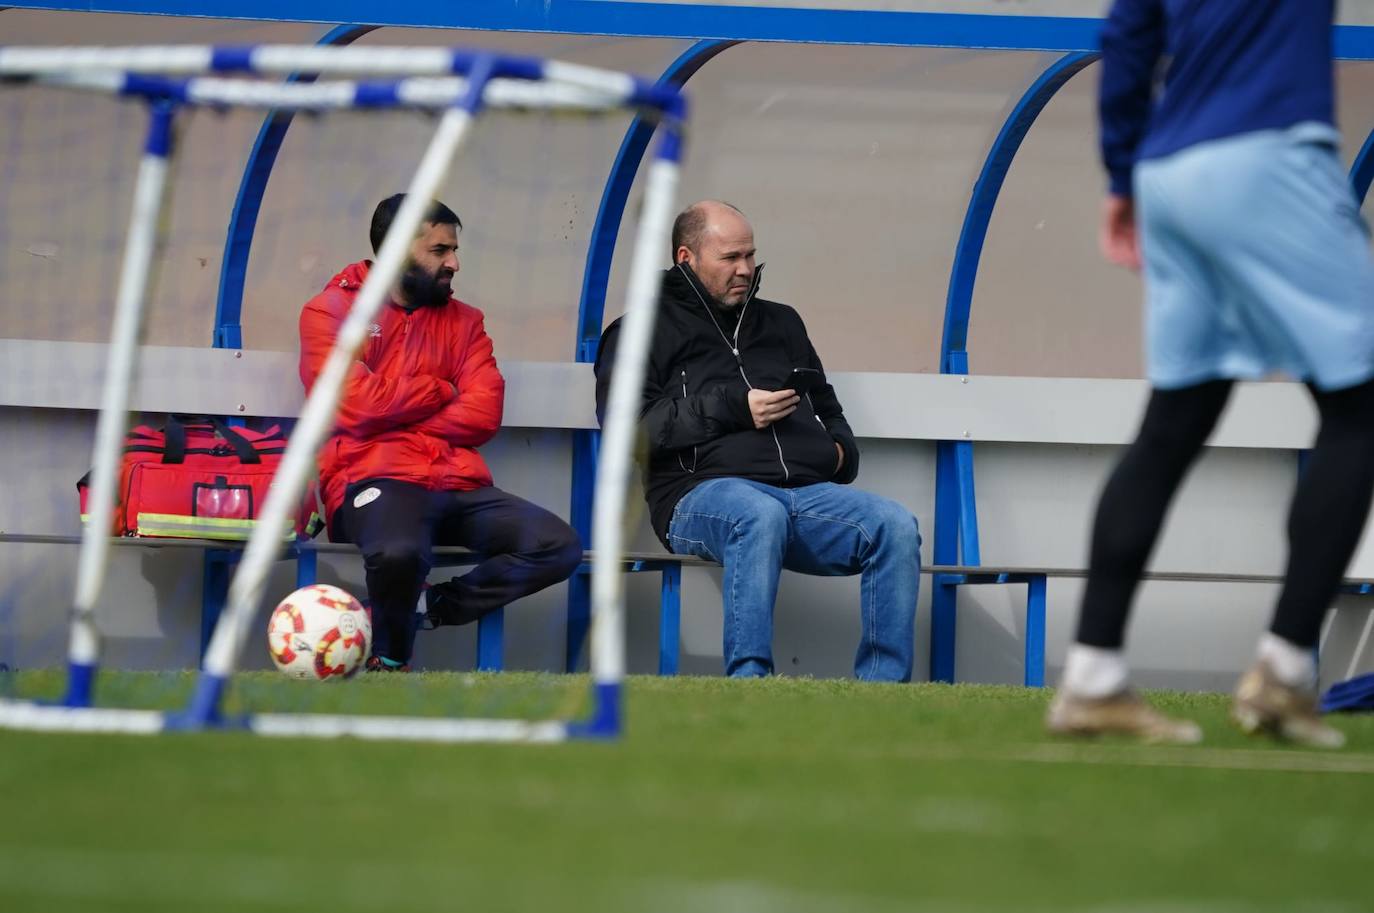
748 450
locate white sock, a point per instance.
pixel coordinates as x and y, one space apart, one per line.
1093 671
1292 664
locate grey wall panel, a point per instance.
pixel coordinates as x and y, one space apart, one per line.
69 375
196 379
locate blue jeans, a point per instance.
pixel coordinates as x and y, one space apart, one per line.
755 530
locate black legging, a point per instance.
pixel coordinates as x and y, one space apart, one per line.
1325 519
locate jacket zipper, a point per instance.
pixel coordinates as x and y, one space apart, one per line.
786 473
739 360
694 449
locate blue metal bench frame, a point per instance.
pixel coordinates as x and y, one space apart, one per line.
490 627
942 577
220 562
670 606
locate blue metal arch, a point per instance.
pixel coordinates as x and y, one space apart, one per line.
243 222
591 311
601 248
969 250
1362 169
956 511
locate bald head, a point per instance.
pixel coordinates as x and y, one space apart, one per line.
717 242
699 218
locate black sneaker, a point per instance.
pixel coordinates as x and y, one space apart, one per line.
375 664
443 607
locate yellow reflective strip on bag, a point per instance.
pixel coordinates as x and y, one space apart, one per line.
117 528
183 527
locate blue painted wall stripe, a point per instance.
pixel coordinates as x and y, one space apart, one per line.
673 20
642 19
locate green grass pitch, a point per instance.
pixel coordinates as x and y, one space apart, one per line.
731 797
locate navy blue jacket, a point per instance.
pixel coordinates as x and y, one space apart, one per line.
1234 66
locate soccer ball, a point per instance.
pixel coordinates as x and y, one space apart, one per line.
319 632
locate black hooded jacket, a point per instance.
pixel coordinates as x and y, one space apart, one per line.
695 417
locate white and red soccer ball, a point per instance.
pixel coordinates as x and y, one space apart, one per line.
319 632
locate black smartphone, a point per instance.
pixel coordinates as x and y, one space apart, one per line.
802 380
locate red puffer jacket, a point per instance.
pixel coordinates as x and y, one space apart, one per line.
399 417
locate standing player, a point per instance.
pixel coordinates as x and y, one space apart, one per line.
1226 183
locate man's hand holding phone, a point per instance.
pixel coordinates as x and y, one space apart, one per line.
769 406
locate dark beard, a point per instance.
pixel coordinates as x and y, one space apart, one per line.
423 289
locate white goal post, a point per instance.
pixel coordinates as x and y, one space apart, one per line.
460 84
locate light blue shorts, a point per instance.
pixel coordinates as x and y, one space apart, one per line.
1256 261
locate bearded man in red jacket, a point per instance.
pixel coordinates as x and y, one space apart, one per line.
401 472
